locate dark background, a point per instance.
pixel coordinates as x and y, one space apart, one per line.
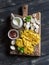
8 6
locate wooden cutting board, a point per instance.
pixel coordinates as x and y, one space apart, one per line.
36 15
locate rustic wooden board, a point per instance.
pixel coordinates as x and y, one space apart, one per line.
38 47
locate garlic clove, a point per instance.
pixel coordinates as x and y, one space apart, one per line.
13 42
12 47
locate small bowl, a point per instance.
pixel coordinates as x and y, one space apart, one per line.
13 34
15 25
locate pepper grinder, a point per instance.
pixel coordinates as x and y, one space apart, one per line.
25 10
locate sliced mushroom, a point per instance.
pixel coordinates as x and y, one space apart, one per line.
37 30
36 26
32 20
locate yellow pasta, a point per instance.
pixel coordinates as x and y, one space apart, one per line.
28 39
19 42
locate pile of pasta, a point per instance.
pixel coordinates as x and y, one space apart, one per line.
28 40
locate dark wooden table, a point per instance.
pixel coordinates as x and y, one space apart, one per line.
8 6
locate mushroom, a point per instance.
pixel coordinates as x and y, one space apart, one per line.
32 20
27 25
37 30
36 26
37 21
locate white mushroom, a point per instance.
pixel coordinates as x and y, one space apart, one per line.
37 21
31 24
32 27
34 15
27 26
37 30
32 20
12 47
36 26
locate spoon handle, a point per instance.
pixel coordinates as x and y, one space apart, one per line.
12 15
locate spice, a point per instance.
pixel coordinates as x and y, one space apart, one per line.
13 34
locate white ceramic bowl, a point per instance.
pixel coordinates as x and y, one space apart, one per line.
17 34
14 23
